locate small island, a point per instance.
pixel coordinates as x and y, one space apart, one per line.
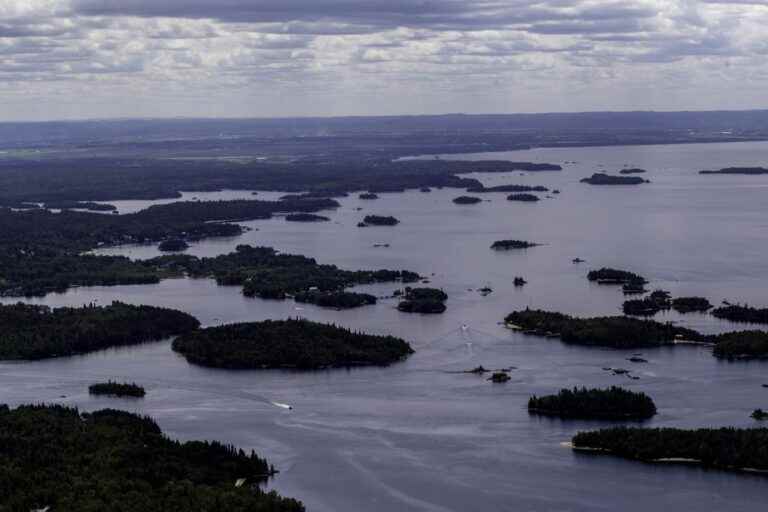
739 170
724 448
378 220
600 178
499 377
525 198
298 344
467 200
691 304
613 276
173 245
423 300
306 217
66 459
744 314
117 389
90 206
658 300
759 415
506 245
740 345
368 196
614 403
335 299
31 332
507 188
633 170
612 331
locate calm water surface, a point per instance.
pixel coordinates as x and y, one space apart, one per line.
417 435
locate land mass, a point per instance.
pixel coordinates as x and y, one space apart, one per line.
600 178
582 403
117 389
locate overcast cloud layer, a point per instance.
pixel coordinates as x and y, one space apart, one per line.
152 58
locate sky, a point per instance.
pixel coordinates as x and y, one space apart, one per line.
76 59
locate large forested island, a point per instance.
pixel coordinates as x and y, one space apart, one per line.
335 299
37 332
747 314
55 458
607 275
609 331
724 448
612 403
741 345
423 300
600 178
299 344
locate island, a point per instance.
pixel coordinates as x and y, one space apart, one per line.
425 190
467 200
613 276
306 217
658 300
612 331
368 196
525 198
633 170
739 170
506 245
507 188
65 459
600 178
759 414
117 389
292 343
519 282
173 245
690 304
499 377
423 300
614 403
36 332
723 448
90 206
335 299
740 345
744 314
378 220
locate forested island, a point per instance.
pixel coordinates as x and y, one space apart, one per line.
466 200
335 299
507 188
633 170
299 344
738 170
80 205
37 332
741 345
746 314
173 245
379 220
62 459
117 389
691 304
368 196
614 403
423 300
613 276
525 198
658 300
506 245
724 448
611 331
306 217
600 178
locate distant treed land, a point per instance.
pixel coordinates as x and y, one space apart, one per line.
56 458
102 179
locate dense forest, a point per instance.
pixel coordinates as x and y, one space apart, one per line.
741 345
736 313
614 276
612 331
37 332
725 448
173 245
583 403
691 304
119 389
658 300
55 458
525 198
423 300
379 220
297 344
335 299
600 178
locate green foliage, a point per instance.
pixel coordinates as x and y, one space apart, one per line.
36 332
612 403
52 456
288 344
117 389
725 448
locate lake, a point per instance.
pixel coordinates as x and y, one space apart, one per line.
419 435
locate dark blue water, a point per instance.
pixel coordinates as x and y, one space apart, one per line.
416 436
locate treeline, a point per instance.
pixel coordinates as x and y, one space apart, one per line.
741 345
609 331
337 300
724 448
736 313
508 188
600 178
614 276
118 389
297 344
55 458
583 403
37 332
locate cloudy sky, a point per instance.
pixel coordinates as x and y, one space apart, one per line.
62 59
